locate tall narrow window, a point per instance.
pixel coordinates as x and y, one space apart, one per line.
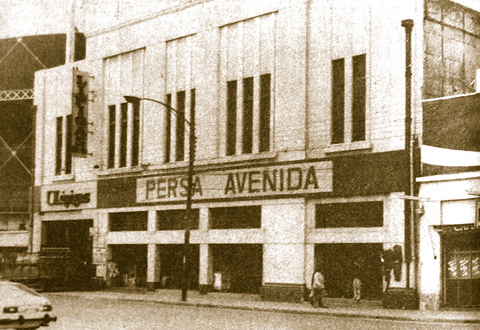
123 133
247 125
180 127
168 127
58 149
68 145
338 101
192 111
265 90
231 117
135 132
111 135
359 96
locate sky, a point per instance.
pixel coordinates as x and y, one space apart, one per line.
32 17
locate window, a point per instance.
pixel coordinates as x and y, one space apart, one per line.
123 134
340 111
236 217
265 99
246 70
175 220
359 214
180 93
247 115
168 128
111 135
63 158
338 100
136 134
128 221
231 117
247 125
59 144
68 145
123 75
180 127
359 95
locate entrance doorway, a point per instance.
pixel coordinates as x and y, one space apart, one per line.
131 263
241 266
171 266
462 268
74 235
337 263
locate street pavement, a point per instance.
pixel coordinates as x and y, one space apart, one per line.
336 307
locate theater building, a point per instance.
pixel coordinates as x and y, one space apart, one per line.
301 155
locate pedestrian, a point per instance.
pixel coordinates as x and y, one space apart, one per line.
318 289
357 280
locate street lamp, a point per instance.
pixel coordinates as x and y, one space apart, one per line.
188 206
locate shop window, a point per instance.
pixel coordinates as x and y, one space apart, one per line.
128 221
360 214
236 217
175 220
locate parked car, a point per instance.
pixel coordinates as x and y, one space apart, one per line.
23 308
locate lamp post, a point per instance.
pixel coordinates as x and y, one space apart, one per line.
188 206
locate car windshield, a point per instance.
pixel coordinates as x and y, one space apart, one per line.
15 290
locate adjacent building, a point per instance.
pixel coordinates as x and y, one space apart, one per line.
19 59
305 143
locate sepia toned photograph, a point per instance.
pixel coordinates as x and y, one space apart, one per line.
239 164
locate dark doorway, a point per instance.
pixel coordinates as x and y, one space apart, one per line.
171 266
337 263
131 262
73 235
240 264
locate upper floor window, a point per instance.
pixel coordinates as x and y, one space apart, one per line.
247 63
123 76
356 110
63 145
180 96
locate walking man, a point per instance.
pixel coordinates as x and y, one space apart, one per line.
318 289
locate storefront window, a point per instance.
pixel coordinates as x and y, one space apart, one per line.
236 217
342 215
128 221
175 220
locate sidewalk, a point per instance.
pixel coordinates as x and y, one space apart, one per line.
336 307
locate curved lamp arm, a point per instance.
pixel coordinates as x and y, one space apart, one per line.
136 99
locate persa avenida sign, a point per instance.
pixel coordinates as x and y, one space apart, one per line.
262 181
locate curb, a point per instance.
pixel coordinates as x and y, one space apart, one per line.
331 312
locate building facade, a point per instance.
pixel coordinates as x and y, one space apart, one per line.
19 59
301 159
449 199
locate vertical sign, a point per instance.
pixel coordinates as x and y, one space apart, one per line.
80 113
